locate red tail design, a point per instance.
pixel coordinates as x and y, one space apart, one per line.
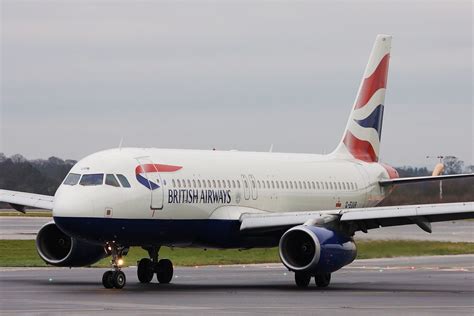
376 81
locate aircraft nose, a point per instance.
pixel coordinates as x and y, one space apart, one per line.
69 203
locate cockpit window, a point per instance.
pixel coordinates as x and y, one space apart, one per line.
72 179
92 179
111 180
124 181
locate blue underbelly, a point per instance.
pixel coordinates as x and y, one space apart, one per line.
139 232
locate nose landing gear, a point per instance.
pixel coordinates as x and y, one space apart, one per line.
148 267
115 278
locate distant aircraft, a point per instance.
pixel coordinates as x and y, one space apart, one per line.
308 205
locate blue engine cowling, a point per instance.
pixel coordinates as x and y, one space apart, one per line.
58 249
315 249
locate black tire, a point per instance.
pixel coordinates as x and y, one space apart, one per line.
165 271
108 279
302 279
119 279
145 270
322 279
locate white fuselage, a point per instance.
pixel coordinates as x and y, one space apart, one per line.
210 180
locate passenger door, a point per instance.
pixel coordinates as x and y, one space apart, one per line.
152 180
253 187
246 187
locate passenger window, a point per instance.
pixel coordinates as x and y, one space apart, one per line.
317 185
228 184
277 185
111 180
330 185
268 184
123 180
199 183
213 183
273 185
184 183
281 185
174 183
258 184
233 184
291 185
209 183
194 183
219 183
72 179
92 179
304 185
223 184
286 185
189 183
309 185
238 184
179 183
343 185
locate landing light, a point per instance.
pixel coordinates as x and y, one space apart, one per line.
120 262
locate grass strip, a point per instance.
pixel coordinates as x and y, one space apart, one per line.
28 214
22 253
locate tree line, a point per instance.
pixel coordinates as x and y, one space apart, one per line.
43 176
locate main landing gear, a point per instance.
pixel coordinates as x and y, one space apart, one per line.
148 267
302 279
115 278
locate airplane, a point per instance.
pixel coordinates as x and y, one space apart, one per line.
308 205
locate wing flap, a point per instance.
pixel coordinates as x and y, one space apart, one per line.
18 200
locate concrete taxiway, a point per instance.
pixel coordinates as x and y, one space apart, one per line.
455 231
441 285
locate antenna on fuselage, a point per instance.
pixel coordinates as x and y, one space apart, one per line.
120 143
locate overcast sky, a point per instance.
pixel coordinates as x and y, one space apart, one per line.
77 76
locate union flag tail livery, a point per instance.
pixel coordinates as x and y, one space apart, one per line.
363 132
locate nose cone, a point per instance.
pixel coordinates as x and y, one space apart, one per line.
71 201
72 210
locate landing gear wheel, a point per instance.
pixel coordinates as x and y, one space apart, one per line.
108 279
119 279
322 279
165 271
145 270
302 279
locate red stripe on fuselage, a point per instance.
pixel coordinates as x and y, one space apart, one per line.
156 168
376 81
360 149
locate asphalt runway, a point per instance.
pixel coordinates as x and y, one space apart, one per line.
442 285
455 231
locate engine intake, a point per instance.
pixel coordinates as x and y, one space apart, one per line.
315 249
58 249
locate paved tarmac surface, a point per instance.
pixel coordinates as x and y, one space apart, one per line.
401 286
27 227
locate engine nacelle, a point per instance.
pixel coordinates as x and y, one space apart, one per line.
315 249
58 249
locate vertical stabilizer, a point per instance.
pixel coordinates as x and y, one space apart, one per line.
363 132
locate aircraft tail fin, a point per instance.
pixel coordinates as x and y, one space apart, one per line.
361 138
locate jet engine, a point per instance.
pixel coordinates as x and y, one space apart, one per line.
314 249
58 249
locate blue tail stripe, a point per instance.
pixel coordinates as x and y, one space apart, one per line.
374 120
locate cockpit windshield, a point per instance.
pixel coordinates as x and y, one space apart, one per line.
92 179
72 179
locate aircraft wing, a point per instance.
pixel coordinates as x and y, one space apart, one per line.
361 218
424 179
18 200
